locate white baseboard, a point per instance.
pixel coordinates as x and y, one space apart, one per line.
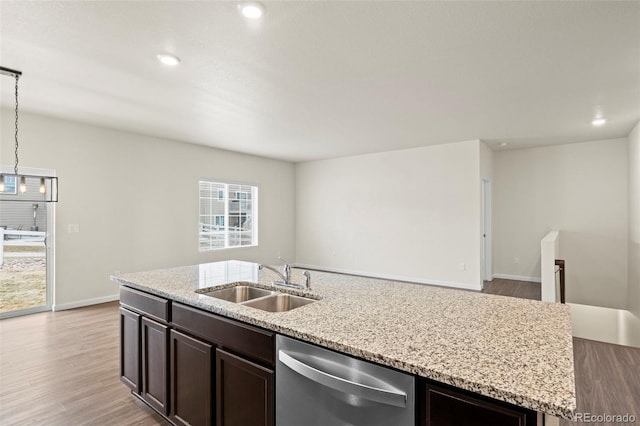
465 286
517 278
86 302
11 314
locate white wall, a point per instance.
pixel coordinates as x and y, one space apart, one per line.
579 189
549 252
486 174
136 200
634 221
410 214
616 326
486 161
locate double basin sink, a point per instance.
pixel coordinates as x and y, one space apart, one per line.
259 298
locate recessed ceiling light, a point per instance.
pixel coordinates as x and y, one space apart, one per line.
599 121
251 10
503 144
168 59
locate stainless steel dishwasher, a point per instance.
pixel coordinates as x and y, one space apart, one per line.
316 386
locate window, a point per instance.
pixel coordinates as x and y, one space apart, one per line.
242 198
10 186
228 215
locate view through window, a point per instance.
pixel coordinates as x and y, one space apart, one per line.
23 256
228 215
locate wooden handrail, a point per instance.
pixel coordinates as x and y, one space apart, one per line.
560 265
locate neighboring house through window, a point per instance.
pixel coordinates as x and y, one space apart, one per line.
10 186
228 215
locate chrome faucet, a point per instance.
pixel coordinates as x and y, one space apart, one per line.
307 280
285 275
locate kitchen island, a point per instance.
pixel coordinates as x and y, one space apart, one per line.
512 350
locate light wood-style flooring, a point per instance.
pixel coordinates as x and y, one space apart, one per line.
521 289
607 375
607 379
62 369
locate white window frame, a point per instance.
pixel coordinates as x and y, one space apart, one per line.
253 190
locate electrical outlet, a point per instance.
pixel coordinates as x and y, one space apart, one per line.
73 228
462 267
516 260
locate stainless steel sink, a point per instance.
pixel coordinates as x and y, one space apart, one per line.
258 298
239 294
279 302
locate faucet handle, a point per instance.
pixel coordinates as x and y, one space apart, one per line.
307 280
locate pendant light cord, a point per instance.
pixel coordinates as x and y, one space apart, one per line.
15 168
48 184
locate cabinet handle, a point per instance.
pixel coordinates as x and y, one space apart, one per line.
384 396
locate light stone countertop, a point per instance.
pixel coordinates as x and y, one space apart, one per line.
515 350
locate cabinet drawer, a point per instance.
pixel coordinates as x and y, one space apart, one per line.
244 339
145 303
448 407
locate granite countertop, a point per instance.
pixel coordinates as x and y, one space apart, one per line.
515 350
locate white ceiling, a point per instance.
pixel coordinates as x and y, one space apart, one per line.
326 79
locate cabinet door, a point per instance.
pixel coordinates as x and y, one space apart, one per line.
191 368
446 407
244 392
130 349
155 383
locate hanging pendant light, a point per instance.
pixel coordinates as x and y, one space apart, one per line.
22 187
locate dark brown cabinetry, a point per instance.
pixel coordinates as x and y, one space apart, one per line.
244 391
197 368
130 349
174 356
243 339
191 380
243 368
443 406
155 368
144 340
149 305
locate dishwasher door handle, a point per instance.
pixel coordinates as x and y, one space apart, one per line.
384 396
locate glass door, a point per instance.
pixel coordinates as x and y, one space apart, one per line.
24 254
